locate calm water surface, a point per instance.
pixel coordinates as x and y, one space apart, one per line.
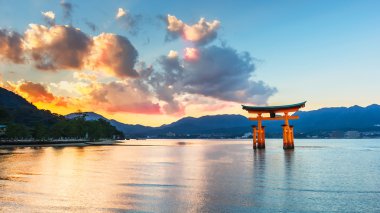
193 176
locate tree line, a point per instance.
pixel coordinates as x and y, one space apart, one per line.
52 126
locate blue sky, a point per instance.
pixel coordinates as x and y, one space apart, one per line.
325 52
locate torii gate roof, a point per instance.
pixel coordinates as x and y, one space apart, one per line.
269 109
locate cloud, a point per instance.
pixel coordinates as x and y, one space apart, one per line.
126 97
191 54
171 65
129 21
130 96
49 17
67 10
173 54
113 53
120 13
69 88
206 104
223 73
85 76
166 85
57 47
65 47
11 47
91 25
201 33
48 14
35 92
219 72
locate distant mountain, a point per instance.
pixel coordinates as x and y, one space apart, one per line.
15 109
340 118
217 124
325 119
127 129
130 129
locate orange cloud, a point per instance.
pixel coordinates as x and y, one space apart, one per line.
36 93
114 97
114 54
85 76
57 47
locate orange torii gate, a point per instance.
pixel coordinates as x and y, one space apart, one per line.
287 130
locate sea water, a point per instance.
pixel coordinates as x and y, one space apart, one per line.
193 176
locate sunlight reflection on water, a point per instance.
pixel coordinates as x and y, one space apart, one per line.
193 176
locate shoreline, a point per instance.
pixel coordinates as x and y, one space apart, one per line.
58 144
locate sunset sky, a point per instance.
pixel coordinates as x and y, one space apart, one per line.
152 62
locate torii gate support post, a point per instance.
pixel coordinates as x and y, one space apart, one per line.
288 134
261 144
254 136
291 137
260 133
284 136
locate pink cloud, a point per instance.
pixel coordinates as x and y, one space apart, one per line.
200 33
128 97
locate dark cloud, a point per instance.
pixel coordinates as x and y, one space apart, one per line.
172 67
220 72
11 48
129 21
223 73
168 83
67 10
91 25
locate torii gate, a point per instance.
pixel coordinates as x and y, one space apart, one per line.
287 130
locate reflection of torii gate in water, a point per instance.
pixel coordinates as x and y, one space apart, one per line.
287 130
